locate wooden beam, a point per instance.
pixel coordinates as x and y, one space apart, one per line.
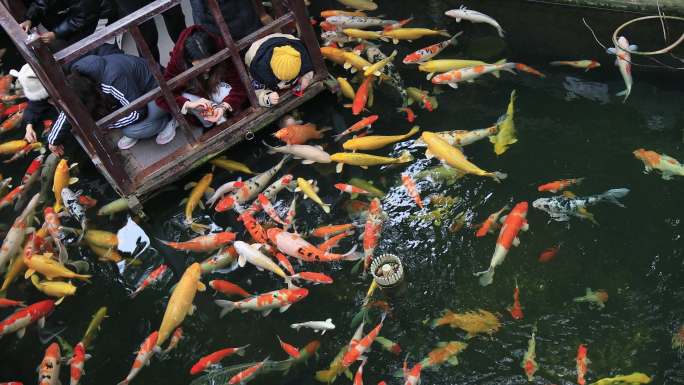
234 52
191 73
163 87
95 40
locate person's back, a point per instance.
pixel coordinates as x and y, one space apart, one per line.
125 72
67 21
240 17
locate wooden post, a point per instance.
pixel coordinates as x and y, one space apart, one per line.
308 36
165 90
234 52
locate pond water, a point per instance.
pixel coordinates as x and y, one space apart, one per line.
634 253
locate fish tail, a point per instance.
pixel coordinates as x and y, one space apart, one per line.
405 157
63 254
241 350
501 32
352 255
124 382
444 32
453 40
486 277
613 195
557 63
226 306
339 137
497 176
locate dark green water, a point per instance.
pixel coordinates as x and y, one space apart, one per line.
635 254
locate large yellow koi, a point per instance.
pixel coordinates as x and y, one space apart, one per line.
440 148
180 303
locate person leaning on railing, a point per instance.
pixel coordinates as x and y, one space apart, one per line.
213 94
107 83
39 107
278 62
66 21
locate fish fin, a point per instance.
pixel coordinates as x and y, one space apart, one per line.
347 65
516 241
242 261
525 226
265 313
453 361
201 287
307 161
326 208
226 306
190 185
59 301
201 205
284 308
338 167
410 101
73 180
21 332
364 167
429 154
453 85
29 273
486 277
191 311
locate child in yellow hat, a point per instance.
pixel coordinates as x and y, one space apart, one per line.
278 62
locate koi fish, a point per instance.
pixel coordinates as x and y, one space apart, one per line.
412 376
416 95
582 362
561 207
313 277
361 35
87 201
330 230
214 358
48 371
596 298
525 68
374 142
333 54
464 13
366 122
361 96
632 379
364 160
376 68
4 303
334 12
559 185
388 345
94 326
445 65
228 288
180 302
224 189
291 213
548 254
289 349
353 63
153 277
75 210
222 259
529 364
410 115
491 224
451 156
506 129
113 207
12 122
253 227
194 199
332 242
14 239
251 254
269 209
368 186
299 133
582 64
231 165
24 151
282 259
248 374
411 34
358 348
250 189
445 352
453 77
360 22
371 232
316 326
624 62
47 176
516 309
278 299
427 53
175 340
296 247
358 377
50 268
410 185
11 110
667 165
513 223
12 147
346 88
145 352
343 187
308 154
55 289
309 189
76 363
19 320
397 25
12 195
62 179
203 243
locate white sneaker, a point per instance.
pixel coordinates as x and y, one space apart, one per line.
125 143
168 133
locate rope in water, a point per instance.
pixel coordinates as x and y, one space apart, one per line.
648 53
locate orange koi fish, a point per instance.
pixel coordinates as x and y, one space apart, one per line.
48 371
155 276
358 377
211 359
582 362
19 320
313 277
270 210
86 201
491 224
334 12
11 196
265 303
358 348
14 109
410 185
12 122
371 231
289 349
445 352
143 357
4 302
412 376
253 227
525 68
77 362
366 122
203 243
361 97
410 115
246 375
516 309
559 185
584 64
228 288
282 259
512 225
299 133
332 242
296 247
330 230
548 254
343 187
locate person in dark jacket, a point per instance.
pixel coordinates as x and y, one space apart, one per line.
39 106
213 94
66 21
239 15
173 18
107 83
278 62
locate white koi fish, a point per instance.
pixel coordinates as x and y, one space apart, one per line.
464 13
624 63
317 326
309 154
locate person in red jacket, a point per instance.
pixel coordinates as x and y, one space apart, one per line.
215 93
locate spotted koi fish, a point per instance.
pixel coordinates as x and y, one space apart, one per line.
203 243
77 362
366 122
265 303
358 348
145 353
270 210
624 62
286 181
250 189
295 246
347 188
155 276
48 371
18 321
176 337
453 77
253 227
427 53
529 363
667 165
371 231
410 185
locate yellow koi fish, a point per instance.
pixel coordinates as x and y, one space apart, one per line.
180 303
55 289
310 191
360 5
360 34
195 198
632 379
101 238
446 65
12 146
438 147
374 142
365 160
376 68
354 62
50 268
333 54
346 88
411 34
506 135
231 165
60 181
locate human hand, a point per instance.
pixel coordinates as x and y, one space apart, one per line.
306 80
25 25
200 104
30 135
48 37
57 150
215 114
274 98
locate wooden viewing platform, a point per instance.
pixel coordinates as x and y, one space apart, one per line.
137 172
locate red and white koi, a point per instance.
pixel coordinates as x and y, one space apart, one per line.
282 258
333 242
513 223
313 277
249 189
286 181
48 371
143 357
412 376
203 243
14 240
397 25
295 246
246 375
410 186
153 277
289 349
490 224
54 228
371 232
453 77
624 63
358 348
516 308
366 122
11 196
343 187
529 363
225 188
22 318
269 209
32 168
253 227
214 358
77 362
427 53
291 213
358 377
278 299
582 362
